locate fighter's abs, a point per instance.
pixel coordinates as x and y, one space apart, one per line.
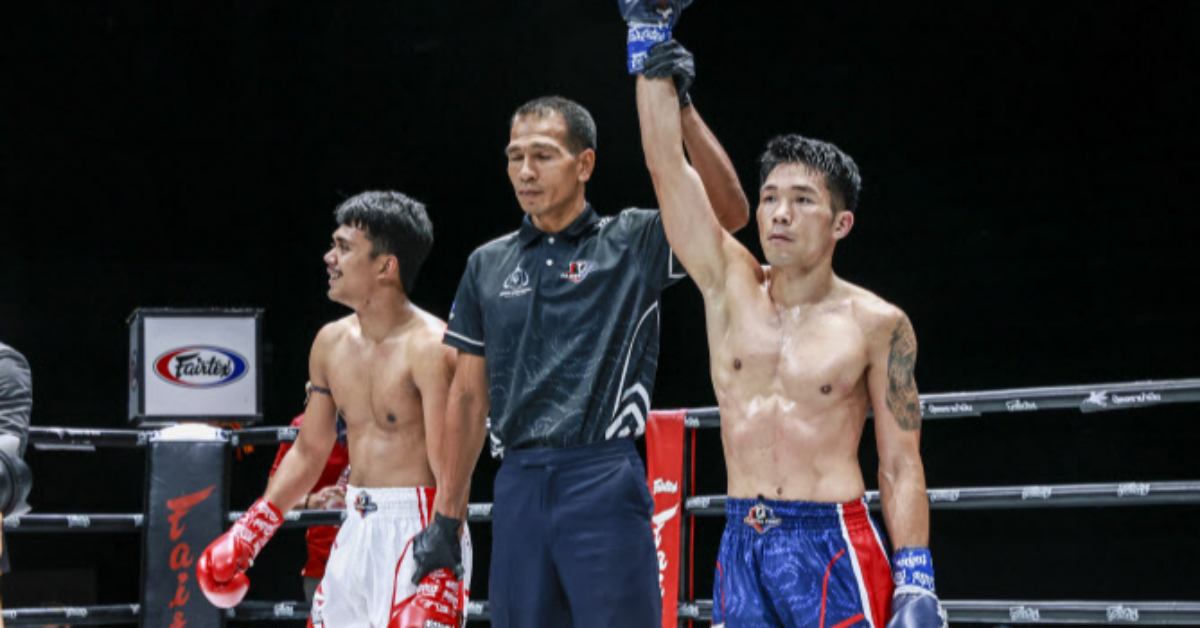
793 402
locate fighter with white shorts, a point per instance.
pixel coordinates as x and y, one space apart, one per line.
385 370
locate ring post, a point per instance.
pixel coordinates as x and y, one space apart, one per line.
664 473
687 488
187 498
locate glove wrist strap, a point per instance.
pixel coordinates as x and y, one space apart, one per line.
258 525
912 568
642 37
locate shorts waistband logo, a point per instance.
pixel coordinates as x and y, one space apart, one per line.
364 504
762 518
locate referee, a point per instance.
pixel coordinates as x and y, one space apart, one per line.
557 331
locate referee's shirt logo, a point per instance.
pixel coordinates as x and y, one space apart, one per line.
516 284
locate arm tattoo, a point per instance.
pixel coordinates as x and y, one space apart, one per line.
902 390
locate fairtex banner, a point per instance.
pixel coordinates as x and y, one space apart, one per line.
664 453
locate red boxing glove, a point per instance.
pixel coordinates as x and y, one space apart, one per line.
437 604
221 567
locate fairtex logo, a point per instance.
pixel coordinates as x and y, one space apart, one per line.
762 518
665 486
1138 489
944 495
1017 405
181 558
660 521
200 367
578 271
1036 492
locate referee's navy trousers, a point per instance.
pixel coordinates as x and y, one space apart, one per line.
572 540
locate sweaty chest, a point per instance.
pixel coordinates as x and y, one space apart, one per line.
817 355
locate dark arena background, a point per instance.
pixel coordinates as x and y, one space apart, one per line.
1029 199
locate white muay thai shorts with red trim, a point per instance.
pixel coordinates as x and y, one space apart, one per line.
371 567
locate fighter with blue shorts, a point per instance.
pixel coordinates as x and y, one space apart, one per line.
798 357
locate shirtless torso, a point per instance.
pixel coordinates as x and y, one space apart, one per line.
375 386
791 383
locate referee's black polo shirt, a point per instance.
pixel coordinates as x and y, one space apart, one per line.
569 326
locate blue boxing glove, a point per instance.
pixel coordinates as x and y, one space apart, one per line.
650 22
915 603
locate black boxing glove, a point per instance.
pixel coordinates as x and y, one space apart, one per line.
671 59
438 547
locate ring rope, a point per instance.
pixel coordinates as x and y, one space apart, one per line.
72 615
1042 496
1038 496
1031 612
1088 398
74 523
967 611
75 439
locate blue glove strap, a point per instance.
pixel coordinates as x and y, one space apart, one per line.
913 567
643 37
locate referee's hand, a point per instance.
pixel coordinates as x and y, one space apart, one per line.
437 547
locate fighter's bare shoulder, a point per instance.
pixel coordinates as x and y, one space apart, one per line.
878 318
334 332
331 334
425 346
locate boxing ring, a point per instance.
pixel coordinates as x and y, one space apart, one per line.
934 407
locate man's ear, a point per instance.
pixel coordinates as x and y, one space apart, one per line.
842 224
390 266
587 163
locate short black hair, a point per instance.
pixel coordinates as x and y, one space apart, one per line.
395 225
841 173
581 128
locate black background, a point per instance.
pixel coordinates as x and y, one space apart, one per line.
1029 199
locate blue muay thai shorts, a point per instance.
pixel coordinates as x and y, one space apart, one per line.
786 563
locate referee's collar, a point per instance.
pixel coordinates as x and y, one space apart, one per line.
581 225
